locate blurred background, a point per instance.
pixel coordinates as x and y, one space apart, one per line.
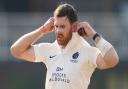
18 17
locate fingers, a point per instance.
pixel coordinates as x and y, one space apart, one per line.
80 26
50 21
48 26
81 32
89 31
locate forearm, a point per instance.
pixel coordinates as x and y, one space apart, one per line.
103 45
110 57
24 42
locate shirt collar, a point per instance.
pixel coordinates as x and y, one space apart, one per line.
75 43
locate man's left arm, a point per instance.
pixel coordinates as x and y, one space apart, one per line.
108 57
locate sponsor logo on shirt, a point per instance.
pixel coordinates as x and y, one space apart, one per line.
59 69
59 76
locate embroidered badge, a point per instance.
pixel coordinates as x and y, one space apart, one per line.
74 57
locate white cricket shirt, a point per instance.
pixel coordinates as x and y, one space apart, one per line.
68 68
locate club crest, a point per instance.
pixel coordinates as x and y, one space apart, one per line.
74 57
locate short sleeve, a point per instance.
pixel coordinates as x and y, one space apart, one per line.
41 51
93 54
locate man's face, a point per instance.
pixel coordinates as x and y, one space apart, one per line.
63 30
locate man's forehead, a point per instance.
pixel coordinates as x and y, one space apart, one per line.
64 18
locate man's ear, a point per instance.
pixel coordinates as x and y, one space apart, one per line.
74 27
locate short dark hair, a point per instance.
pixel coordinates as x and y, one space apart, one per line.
66 10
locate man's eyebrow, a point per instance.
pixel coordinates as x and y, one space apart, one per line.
66 18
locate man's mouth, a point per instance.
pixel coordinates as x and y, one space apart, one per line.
60 37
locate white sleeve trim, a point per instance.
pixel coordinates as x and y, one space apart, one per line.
39 53
37 59
93 56
97 54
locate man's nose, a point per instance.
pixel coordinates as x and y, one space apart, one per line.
59 30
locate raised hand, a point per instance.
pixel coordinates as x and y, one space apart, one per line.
89 31
48 26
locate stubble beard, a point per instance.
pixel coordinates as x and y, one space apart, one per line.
64 41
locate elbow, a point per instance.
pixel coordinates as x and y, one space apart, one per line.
113 60
111 64
116 62
14 52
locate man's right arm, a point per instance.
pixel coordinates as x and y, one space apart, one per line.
23 48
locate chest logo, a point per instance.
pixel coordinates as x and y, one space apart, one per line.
52 56
75 57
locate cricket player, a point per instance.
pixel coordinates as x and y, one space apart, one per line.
70 60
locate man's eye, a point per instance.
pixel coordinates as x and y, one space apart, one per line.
56 26
62 26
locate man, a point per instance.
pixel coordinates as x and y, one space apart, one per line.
70 60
